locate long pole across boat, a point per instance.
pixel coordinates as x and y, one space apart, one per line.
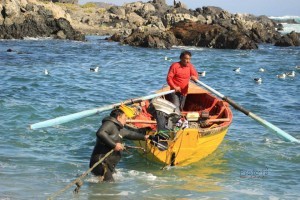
263 122
86 113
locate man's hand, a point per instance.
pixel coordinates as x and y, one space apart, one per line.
150 137
119 147
194 78
177 89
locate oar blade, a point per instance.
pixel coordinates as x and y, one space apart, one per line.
274 128
87 113
68 118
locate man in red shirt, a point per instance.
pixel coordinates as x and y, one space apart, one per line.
179 76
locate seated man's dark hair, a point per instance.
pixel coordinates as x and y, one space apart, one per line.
116 112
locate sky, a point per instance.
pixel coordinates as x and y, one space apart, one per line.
255 7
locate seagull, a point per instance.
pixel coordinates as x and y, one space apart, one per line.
281 76
46 72
202 73
237 70
291 74
258 80
297 67
169 59
94 69
261 69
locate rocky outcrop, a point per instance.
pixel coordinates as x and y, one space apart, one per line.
291 39
153 24
210 27
212 36
24 18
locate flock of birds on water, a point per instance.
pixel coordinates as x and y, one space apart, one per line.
257 80
96 69
203 73
279 76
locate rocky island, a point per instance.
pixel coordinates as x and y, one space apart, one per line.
153 24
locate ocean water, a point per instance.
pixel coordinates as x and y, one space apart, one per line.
287 28
251 163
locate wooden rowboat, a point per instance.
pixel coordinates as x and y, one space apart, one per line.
211 118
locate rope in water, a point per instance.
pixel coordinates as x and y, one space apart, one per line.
78 181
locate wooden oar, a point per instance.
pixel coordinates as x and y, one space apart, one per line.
86 113
263 122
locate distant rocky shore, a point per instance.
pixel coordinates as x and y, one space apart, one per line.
153 24
31 18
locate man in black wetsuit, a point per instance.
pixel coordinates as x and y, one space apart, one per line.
110 136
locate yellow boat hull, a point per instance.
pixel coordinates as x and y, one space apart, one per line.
189 146
209 119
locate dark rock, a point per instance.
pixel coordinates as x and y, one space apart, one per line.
211 10
117 37
215 36
117 10
234 40
65 26
279 27
160 40
193 33
291 39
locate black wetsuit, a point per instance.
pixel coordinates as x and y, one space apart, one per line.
110 133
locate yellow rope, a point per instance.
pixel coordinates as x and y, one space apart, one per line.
78 181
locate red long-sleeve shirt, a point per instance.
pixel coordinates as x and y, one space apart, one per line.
180 75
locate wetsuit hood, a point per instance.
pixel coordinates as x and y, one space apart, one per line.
114 120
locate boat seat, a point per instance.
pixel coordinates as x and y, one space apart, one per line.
219 113
208 109
212 105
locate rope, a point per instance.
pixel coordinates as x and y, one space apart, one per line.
135 147
78 181
176 154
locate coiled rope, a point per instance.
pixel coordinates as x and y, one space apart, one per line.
78 181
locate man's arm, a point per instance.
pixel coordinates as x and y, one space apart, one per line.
194 73
103 135
170 77
132 135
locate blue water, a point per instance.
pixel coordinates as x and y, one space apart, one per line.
251 163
